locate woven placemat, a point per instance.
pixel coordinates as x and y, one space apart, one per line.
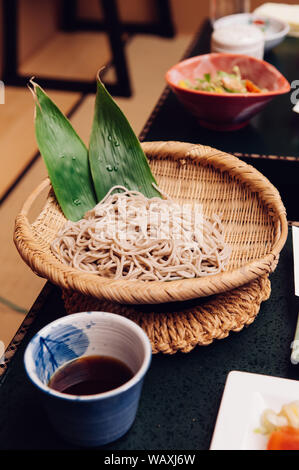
181 326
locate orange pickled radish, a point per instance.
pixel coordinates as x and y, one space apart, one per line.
285 438
251 87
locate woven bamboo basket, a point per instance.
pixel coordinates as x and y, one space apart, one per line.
253 216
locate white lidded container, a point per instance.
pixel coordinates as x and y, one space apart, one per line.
239 39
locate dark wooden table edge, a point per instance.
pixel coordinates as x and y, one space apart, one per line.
24 327
166 91
47 289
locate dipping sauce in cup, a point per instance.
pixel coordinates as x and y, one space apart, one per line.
89 375
76 351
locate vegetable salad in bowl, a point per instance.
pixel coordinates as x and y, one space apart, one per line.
224 91
223 82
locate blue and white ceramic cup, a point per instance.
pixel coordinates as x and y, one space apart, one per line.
89 420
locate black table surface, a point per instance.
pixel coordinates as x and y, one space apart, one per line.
182 392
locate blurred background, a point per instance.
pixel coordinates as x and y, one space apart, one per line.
63 43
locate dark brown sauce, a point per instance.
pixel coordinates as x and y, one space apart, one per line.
90 375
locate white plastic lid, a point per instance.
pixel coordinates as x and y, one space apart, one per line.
237 37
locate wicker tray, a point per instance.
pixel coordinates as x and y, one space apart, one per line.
181 326
252 213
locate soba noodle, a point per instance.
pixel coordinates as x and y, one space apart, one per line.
127 236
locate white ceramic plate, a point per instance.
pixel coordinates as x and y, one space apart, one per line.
283 12
274 30
244 399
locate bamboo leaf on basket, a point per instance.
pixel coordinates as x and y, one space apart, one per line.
65 156
115 154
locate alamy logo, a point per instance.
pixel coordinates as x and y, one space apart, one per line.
295 93
295 352
2 350
2 92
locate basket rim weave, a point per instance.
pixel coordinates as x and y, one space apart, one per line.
137 291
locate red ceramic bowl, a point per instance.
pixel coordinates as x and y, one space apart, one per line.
227 111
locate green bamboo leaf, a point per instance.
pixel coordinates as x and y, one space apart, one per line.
115 153
65 156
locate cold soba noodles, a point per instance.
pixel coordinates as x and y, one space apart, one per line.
128 236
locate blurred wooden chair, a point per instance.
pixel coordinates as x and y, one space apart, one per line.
71 22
